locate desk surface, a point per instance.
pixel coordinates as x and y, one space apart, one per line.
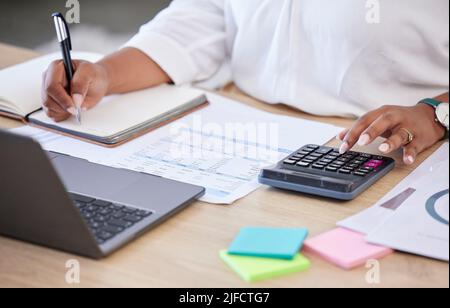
183 252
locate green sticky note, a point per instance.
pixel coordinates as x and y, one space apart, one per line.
253 269
282 243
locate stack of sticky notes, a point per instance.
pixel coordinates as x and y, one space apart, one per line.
262 253
345 248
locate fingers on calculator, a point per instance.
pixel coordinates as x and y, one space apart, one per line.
330 160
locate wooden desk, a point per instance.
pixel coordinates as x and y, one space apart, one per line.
184 251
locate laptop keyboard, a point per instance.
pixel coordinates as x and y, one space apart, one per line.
106 219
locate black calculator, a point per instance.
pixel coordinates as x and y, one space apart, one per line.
323 171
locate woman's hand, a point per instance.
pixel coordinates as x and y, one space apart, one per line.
395 123
124 71
89 85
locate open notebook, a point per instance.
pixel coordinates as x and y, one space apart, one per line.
115 120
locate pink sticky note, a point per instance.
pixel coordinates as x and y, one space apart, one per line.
345 248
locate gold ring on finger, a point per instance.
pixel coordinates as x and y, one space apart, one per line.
410 135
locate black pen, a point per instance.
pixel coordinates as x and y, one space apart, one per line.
62 31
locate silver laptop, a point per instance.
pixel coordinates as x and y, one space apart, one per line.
76 206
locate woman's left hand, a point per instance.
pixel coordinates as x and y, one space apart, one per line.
398 125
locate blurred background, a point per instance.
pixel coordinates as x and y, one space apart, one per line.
105 24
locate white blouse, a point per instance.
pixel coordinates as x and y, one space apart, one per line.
324 57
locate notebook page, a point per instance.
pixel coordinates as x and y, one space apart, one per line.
118 113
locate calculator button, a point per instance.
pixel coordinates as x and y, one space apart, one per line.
324 151
353 166
368 169
364 155
326 161
303 153
318 166
343 160
364 159
357 173
345 171
339 163
373 163
311 158
332 169
335 166
296 157
289 162
307 161
330 157
303 164
318 155
365 170
312 146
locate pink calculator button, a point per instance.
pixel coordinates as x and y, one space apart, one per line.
373 163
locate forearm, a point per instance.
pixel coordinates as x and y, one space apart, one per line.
130 70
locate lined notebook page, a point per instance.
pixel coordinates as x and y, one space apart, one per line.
116 114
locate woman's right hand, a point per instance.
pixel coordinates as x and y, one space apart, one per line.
89 85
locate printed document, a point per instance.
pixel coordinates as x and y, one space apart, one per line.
222 147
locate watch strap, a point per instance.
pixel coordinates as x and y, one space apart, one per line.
431 102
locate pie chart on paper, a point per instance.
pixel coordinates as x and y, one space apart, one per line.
438 206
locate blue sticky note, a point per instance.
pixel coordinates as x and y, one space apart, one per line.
278 243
